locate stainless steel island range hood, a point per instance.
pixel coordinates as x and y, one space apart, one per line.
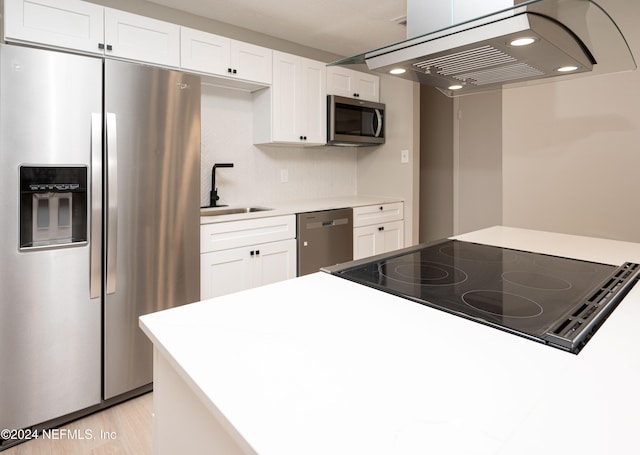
531 42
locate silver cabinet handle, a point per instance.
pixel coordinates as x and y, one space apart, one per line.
95 265
112 201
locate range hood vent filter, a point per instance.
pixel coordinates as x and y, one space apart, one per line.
474 59
482 66
502 74
478 55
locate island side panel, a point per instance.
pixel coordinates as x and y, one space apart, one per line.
181 422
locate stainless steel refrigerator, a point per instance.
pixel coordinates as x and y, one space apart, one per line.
99 224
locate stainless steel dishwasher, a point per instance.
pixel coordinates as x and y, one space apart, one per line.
324 238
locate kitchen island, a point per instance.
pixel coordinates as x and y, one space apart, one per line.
322 365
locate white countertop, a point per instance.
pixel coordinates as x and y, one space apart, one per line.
321 365
298 206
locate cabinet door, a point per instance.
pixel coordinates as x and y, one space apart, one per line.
377 239
353 84
225 272
286 93
274 262
313 99
299 100
391 236
368 86
340 81
204 52
69 24
365 242
141 38
250 62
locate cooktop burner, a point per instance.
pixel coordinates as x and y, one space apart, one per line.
553 300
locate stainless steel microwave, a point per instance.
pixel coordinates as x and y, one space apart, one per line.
354 122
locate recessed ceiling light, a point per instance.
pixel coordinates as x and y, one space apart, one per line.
567 69
522 41
455 87
398 71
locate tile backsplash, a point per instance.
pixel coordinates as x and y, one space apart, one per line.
258 172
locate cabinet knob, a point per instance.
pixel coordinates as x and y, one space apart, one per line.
381 208
235 71
257 252
252 252
229 70
381 228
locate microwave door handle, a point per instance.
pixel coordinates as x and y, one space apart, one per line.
379 118
112 201
95 266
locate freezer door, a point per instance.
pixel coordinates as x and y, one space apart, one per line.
50 343
153 210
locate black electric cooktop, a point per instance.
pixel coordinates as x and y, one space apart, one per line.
550 299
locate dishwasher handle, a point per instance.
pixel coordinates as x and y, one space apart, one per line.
326 223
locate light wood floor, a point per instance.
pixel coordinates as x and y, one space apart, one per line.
129 425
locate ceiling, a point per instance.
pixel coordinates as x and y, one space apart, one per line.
343 27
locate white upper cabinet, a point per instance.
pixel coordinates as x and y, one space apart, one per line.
67 24
141 38
353 84
294 111
204 52
251 62
212 54
90 28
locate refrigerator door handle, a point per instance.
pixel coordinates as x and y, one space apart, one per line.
96 207
112 201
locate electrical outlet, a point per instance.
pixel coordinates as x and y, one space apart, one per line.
404 156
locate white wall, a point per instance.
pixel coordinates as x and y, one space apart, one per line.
436 165
227 130
571 153
380 171
477 162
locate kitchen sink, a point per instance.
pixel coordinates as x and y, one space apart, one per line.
215 211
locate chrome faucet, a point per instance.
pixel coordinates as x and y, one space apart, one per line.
213 195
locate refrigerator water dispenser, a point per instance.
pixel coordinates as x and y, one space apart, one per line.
53 206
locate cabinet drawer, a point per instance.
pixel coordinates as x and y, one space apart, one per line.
377 214
234 234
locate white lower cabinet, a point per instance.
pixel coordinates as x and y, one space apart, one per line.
377 239
240 255
237 269
377 229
